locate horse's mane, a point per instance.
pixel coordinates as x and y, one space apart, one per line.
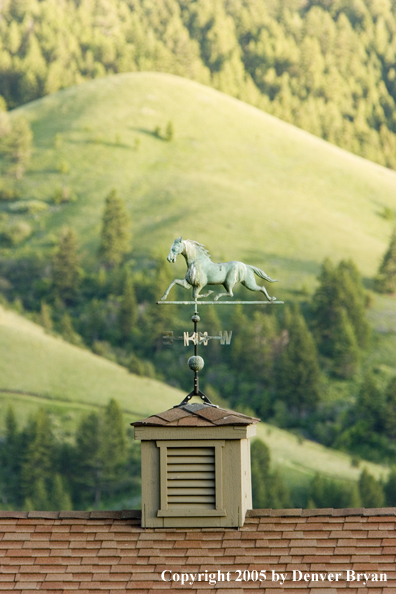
199 247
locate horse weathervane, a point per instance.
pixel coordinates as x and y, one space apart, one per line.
201 271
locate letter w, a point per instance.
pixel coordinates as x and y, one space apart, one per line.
225 337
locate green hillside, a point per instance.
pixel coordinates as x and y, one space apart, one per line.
66 379
302 459
69 382
242 182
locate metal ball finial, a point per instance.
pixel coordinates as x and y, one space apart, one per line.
196 363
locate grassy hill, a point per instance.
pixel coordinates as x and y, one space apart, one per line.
242 182
69 382
66 379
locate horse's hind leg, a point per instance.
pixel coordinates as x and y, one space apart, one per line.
229 288
250 283
176 281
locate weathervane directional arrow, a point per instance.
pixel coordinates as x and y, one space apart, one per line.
197 338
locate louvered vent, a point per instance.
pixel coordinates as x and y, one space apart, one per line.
190 477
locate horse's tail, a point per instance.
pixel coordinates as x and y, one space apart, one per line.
262 274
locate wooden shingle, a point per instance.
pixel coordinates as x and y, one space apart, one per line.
108 552
196 415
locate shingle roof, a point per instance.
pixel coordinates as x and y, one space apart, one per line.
196 415
108 552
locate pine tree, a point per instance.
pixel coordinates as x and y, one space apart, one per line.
260 346
371 406
354 500
298 374
45 317
115 236
385 281
341 326
345 350
11 456
101 452
268 488
128 309
371 492
68 332
17 146
39 459
38 498
278 493
390 489
353 298
88 465
324 298
390 409
65 266
113 444
317 492
59 499
260 465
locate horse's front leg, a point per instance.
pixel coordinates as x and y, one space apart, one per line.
196 290
176 281
205 294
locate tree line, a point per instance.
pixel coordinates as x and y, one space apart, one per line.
99 466
327 67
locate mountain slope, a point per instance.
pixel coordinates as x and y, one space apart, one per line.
242 182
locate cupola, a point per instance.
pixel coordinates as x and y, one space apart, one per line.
195 467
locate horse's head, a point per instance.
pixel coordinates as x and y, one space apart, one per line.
176 249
